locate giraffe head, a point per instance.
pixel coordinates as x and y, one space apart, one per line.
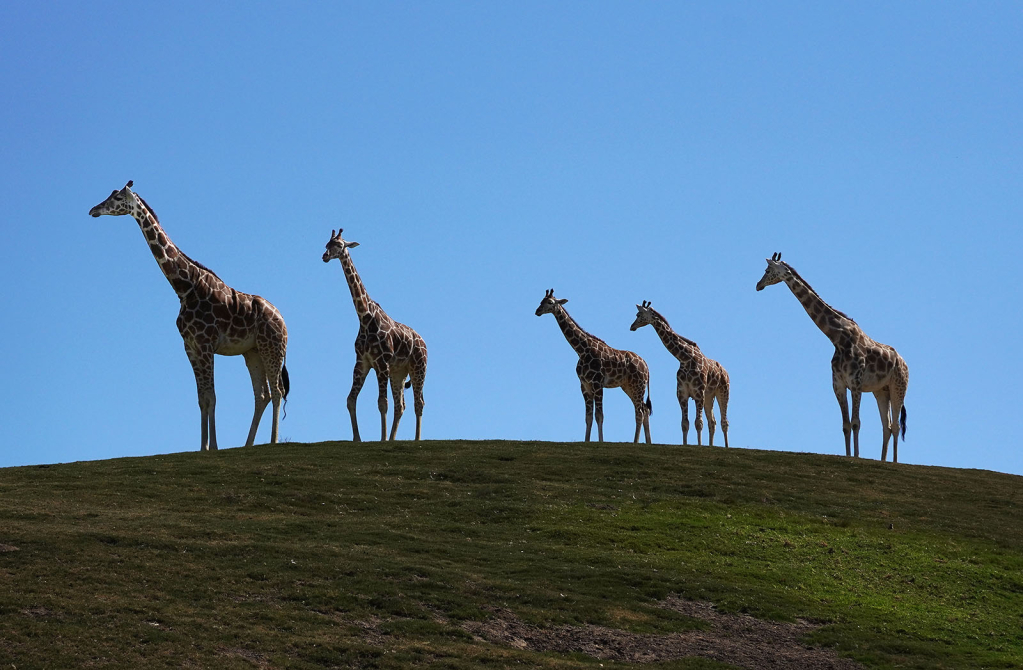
336 246
119 203
549 303
776 272
644 316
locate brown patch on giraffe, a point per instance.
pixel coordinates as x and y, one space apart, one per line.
736 639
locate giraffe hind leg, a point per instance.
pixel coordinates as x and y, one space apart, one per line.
382 377
418 379
884 408
398 393
260 390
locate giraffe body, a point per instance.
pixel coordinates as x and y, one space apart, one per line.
393 350
859 365
214 319
601 366
699 377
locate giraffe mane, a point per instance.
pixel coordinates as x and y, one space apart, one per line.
187 257
668 326
811 290
586 332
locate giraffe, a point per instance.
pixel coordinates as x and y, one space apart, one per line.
600 367
700 378
392 349
214 319
860 364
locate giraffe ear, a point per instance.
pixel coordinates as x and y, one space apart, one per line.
351 244
562 301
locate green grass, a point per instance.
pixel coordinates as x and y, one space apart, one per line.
336 554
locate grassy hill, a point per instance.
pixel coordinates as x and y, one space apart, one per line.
470 554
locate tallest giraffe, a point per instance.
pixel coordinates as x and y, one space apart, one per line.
214 319
859 364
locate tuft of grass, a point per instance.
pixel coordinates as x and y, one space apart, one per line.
373 554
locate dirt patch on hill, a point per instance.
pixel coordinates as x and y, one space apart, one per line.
737 639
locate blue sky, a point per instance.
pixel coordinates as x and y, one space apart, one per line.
484 152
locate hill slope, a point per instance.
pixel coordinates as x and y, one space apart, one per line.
462 554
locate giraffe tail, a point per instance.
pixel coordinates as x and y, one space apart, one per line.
649 405
902 421
408 382
286 381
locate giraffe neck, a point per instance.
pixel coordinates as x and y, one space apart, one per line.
180 270
360 298
581 341
833 323
680 347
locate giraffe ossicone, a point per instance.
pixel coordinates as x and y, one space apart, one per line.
393 350
601 366
699 377
214 319
859 364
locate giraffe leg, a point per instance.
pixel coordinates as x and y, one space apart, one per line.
856 396
382 376
398 393
683 402
723 408
201 359
883 406
843 403
641 416
698 399
588 399
358 379
598 412
276 381
260 390
898 397
646 420
418 378
708 409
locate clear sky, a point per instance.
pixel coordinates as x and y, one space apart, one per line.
483 152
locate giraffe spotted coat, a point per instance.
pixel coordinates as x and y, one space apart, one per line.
699 377
601 366
214 319
859 365
392 349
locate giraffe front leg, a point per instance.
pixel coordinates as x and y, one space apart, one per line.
683 403
598 411
382 377
856 397
843 403
201 359
260 390
398 393
588 399
358 379
883 406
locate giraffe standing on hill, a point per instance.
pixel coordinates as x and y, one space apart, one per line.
601 367
859 364
700 378
214 319
393 349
